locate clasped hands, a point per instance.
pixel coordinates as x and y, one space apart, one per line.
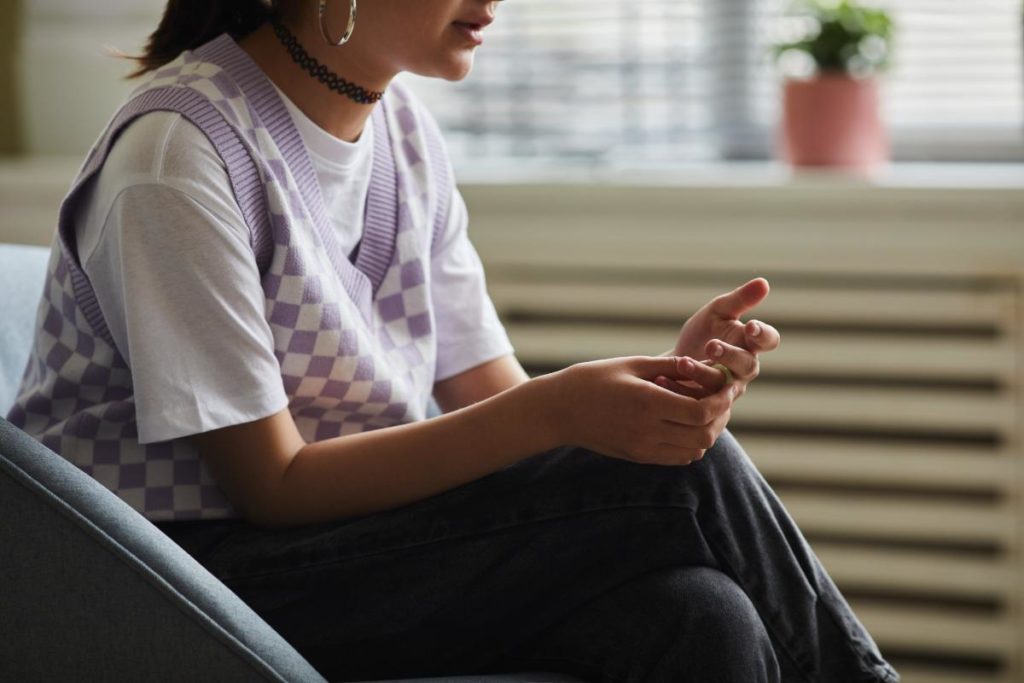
665 409
716 332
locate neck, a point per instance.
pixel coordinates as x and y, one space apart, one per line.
340 116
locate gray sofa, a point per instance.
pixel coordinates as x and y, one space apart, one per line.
89 589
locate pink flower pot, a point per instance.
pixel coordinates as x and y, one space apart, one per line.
832 120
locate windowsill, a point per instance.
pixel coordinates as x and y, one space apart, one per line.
753 174
43 173
31 188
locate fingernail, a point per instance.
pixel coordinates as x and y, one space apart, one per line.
756 331
717 351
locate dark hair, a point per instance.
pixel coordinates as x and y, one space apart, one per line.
187 24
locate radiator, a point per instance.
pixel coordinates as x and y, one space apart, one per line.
888 421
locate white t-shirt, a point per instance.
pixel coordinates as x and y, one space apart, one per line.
166 248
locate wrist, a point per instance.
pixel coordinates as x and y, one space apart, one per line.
548 409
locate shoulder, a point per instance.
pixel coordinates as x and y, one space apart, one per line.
418 130
161 146
156 156
412 114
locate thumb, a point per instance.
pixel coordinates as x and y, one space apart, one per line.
740 300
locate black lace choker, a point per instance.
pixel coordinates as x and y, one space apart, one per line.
320 72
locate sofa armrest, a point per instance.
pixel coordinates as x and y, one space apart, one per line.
94 591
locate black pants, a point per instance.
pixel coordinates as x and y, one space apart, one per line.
564 561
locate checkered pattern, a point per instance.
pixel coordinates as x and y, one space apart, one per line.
77 399
355 343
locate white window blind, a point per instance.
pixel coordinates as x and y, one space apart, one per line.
610 82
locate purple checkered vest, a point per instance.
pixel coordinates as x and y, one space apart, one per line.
355 340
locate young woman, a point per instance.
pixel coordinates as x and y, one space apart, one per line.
260 277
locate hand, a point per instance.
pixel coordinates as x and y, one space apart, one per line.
719 319
702 379
614 408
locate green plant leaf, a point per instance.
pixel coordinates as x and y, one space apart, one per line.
843 28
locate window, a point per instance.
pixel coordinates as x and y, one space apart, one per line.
613 82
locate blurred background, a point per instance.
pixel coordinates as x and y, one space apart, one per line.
626 160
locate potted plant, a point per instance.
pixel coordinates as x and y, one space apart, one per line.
832 118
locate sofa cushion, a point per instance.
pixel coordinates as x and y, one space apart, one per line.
22 273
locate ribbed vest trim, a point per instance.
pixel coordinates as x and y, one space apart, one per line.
242 173
362 279
444 181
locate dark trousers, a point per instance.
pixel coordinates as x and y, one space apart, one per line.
566 561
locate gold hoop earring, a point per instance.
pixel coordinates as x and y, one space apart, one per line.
321 15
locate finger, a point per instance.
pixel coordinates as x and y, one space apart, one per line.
690 411
688 436
705 375
665 404
649 367
669 454
761 336
732 305
741 362
681 388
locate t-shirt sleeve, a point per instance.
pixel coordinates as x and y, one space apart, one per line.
469 331
180 291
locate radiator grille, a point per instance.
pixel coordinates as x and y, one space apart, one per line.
886 421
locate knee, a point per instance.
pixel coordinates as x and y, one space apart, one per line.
727 462
721 637
726 447
719 607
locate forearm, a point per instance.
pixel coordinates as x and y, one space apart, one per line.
478 383
378 470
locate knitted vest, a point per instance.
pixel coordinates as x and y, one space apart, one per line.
355 340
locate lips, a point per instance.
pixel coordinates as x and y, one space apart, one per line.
477 23
472 28
473 32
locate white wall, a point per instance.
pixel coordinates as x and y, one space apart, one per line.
68 87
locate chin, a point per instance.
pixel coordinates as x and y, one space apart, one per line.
453 70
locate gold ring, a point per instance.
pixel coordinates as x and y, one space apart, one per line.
727 371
